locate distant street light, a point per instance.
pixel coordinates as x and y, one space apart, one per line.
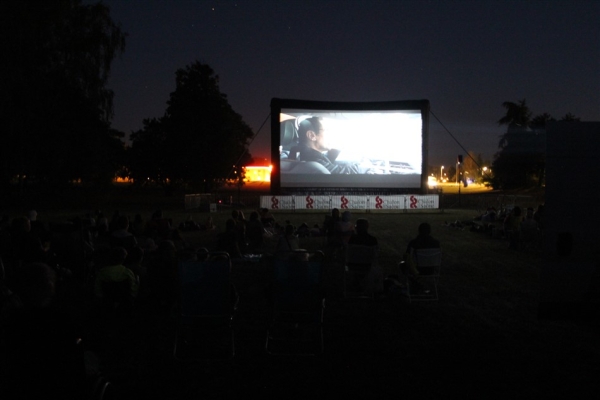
457 172
441 174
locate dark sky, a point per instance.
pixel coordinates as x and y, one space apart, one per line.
465 57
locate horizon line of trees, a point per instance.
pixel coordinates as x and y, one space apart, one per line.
520 161
57 109
521 158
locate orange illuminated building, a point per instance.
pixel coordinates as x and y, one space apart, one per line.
258 173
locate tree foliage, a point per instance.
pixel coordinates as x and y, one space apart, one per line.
521 149
198 140
521 159
517 114
472 164
55 105
570 118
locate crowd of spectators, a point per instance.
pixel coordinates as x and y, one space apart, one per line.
97 265
56 277
523 229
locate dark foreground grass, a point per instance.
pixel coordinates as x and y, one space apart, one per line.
482 339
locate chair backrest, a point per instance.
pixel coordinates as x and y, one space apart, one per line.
297 280
205 288
428 260
360 256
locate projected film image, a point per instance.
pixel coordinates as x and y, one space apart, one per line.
351 148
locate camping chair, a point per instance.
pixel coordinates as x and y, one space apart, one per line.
207 303
428 263
298 304
359 260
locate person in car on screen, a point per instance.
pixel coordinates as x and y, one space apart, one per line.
313 147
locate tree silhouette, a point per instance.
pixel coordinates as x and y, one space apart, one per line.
521 159
570 118
520 162
540 121
472 164
516 113
198 140
517 119
56 109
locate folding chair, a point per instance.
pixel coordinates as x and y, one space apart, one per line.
207 303
428 263
298 305
359 261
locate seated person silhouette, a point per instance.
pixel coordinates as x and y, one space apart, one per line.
121 237
313 145
422 241
112 270
374 280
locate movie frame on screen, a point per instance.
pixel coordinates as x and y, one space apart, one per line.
379 146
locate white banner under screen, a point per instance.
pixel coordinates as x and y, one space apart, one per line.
351 202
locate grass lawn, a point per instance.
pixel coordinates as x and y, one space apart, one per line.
482 339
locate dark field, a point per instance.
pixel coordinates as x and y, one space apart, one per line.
482 339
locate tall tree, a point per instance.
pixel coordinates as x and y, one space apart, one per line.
517 114
520 160
149 156
198 140
54 102
517 119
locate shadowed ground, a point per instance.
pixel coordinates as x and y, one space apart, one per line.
481 340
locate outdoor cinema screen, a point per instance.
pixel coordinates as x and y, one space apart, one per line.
349 145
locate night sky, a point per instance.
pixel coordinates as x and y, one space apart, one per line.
465 57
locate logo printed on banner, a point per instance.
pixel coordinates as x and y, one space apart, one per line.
344 201
413 202
323 202
309 202
427 202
